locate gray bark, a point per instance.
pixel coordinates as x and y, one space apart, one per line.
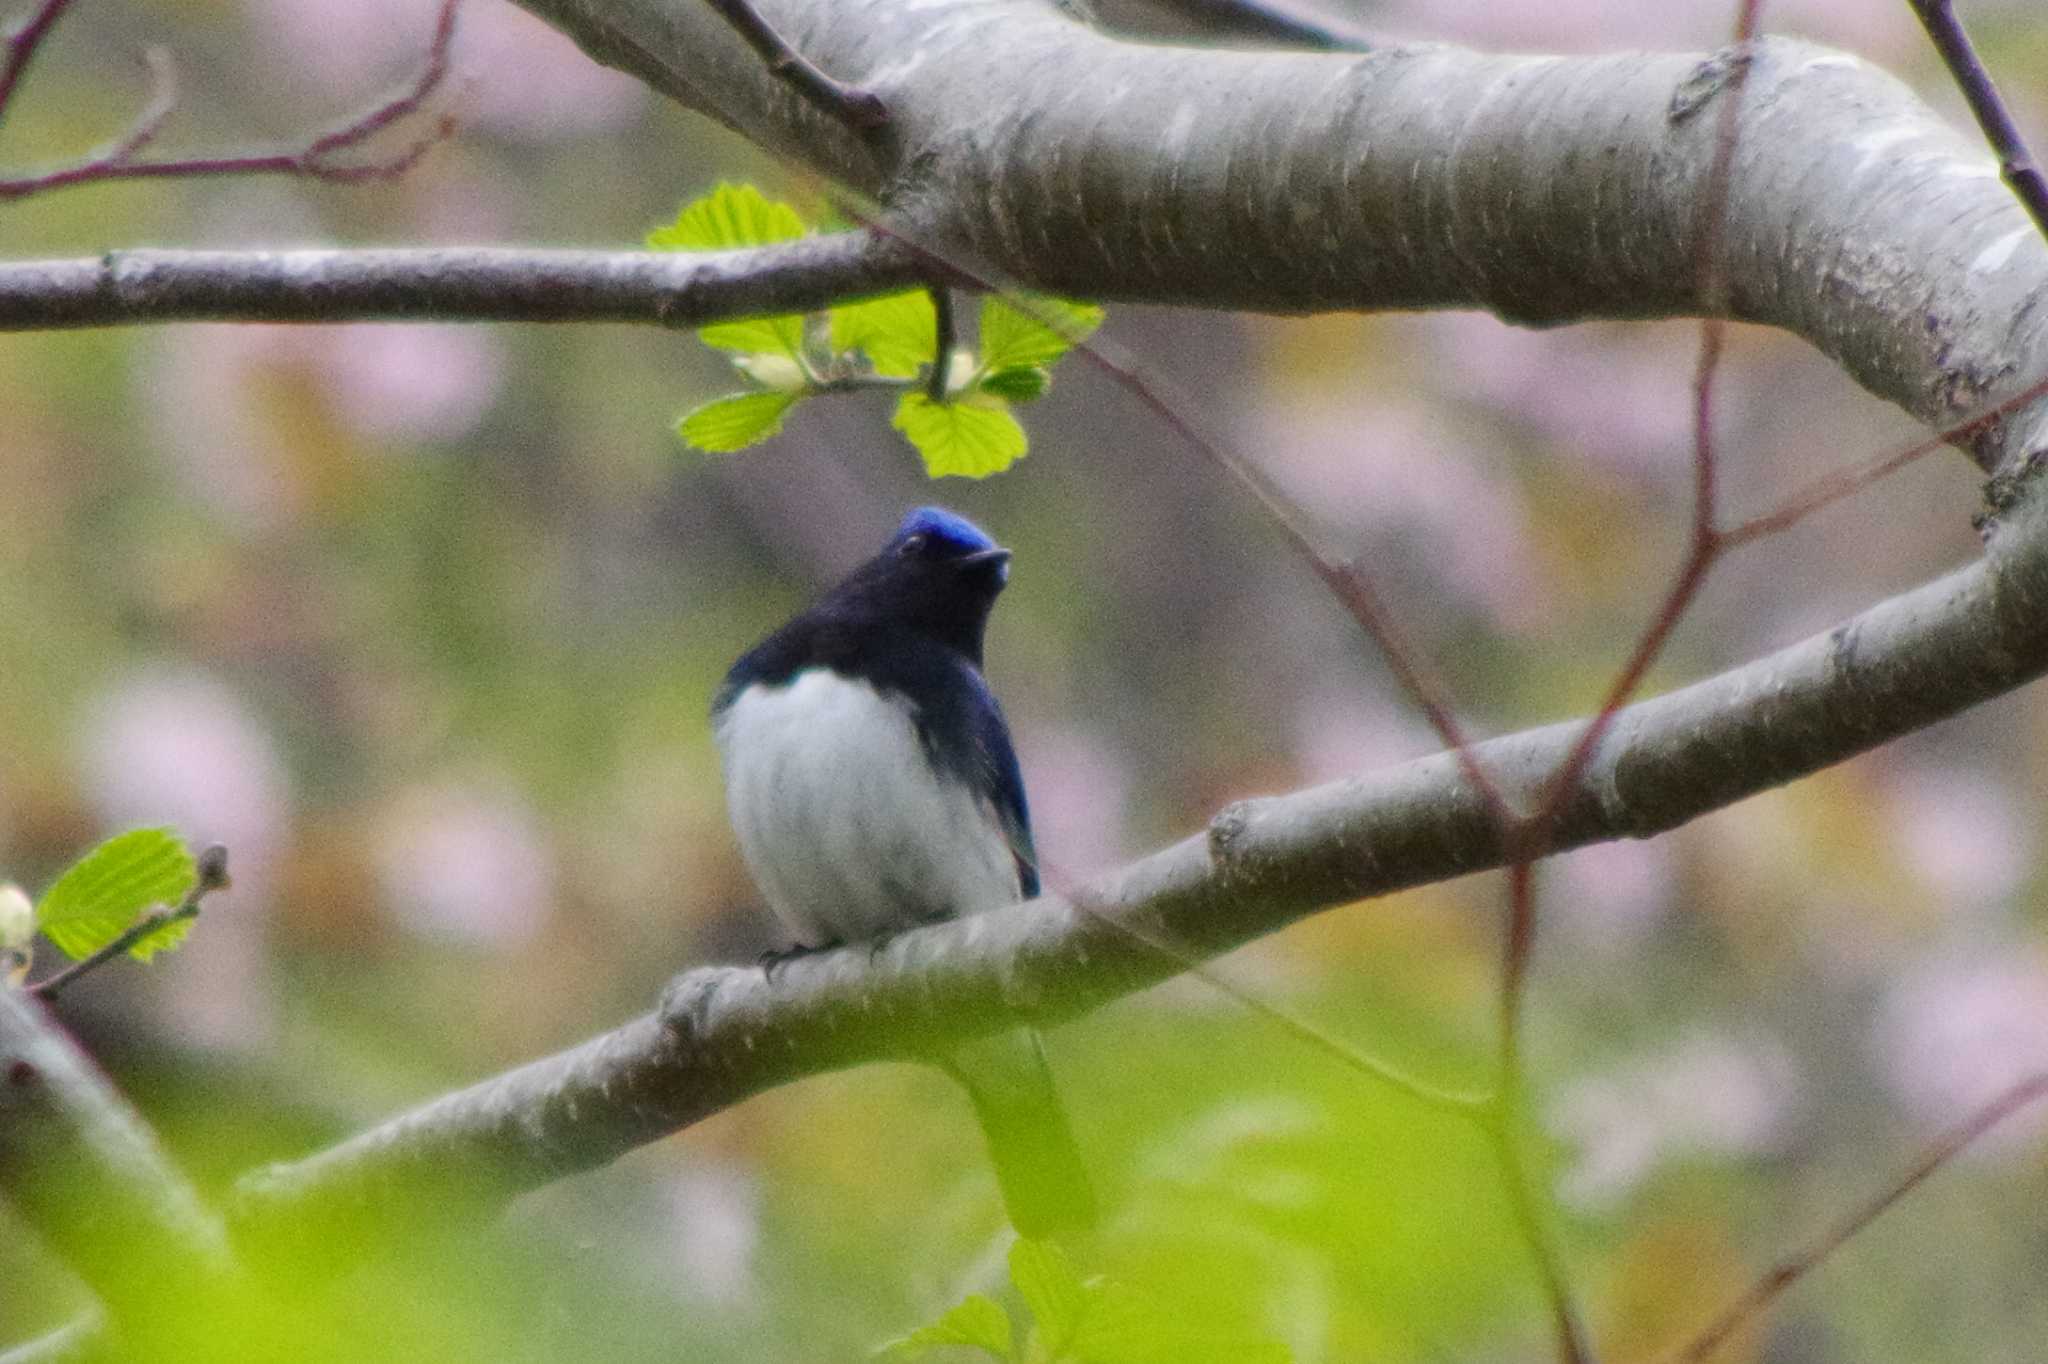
472 284
1546 189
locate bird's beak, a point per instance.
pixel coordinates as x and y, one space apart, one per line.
984 556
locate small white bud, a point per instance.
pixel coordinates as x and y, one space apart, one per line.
17 919
780 373
960 373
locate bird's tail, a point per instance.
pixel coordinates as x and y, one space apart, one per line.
1038 1166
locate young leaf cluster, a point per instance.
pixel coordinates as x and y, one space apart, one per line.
890 342
1075 1321
101 896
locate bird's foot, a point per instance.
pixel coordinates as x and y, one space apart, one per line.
777 956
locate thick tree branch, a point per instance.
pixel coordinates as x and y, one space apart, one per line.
468 284
725 1033
1547 189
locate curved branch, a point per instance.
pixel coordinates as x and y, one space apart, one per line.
464 284
1546 189
725 1033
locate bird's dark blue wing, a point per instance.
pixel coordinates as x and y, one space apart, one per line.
1005 787
966 737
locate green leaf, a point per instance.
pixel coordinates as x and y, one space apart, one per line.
1046 1280
1012 334
780 335
162 938
1018 383
105 890
977 1322
973 437
728 217
899 332
733 423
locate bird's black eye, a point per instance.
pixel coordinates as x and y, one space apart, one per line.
912 545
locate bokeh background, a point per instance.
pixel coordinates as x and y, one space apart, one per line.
422 622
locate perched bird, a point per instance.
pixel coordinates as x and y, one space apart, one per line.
871 782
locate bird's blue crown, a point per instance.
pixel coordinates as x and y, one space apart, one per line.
946 528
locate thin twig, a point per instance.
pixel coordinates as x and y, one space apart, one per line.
316 159
212 876
2016 163
22 44
1707 541
1829 488
163 100
1526 1208
1706 544
1462 1103
944 329
1529 840
860 110
377 118
1796 1266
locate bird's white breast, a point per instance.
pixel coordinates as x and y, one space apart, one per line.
847 828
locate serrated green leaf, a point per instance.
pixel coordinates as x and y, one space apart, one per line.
733 423
899 333
973 437
1012 334
729 216
167 935
977 1322
1018 383
1046 1280
779 335
106 889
